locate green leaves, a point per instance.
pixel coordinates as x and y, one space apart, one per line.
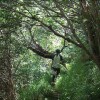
48 23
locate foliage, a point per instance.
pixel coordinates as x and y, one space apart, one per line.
80 83
31 31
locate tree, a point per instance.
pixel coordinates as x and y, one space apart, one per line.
73 21
7 27
6 83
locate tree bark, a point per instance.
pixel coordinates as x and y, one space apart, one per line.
6 83
91 14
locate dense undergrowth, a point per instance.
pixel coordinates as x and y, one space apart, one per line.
80 82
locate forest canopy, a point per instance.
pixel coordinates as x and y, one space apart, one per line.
31 31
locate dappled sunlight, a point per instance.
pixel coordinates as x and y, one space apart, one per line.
49 49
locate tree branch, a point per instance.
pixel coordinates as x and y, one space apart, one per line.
72 28
40 51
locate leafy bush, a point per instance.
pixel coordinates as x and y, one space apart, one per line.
82 82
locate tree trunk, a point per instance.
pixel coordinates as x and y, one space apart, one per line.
90 11
97 61
6 84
